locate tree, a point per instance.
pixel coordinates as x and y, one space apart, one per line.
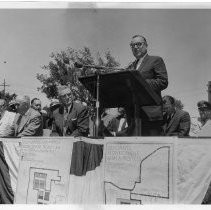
61 71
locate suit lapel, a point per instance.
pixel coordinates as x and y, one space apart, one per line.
172 120
24 120
17 122
133 65
143 62
72 112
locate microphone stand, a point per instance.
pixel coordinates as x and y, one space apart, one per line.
97 105
97 121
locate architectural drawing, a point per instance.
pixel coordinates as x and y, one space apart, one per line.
41 183
44 171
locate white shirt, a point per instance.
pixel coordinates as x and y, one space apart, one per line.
140 61
6 123
205 130
122 120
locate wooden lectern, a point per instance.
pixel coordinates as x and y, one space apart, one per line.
122 89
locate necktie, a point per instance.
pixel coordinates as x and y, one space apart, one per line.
65 120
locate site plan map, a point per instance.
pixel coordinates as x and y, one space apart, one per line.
139 172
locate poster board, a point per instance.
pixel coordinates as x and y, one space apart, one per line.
44 169
193 169
139 171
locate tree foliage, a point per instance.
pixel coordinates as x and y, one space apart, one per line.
61 71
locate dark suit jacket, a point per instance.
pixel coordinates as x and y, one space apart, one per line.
76 123
29 124
153 70
179 125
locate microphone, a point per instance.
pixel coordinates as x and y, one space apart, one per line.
80 65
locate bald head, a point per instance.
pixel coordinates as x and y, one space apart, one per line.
23 99
65 95
23 104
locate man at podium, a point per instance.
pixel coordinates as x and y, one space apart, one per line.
153 70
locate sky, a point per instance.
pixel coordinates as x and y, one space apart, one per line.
182 37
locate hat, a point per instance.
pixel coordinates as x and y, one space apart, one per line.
13 102
204 105
54 102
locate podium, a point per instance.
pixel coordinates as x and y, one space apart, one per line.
122 89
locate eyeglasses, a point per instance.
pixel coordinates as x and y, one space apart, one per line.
138 44
203 109
165 102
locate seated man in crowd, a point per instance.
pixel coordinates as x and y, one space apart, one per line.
28 120
2 107
113 122
36 104
71 118
118 125
50 122
176 122
204 108
7 120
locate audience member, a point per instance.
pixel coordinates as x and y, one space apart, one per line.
36 104
12 106
118 125
108 115
2 107
113 123
29 120
176 121
204 108
195 126
71 118
7 120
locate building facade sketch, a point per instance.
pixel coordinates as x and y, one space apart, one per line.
40 184
41 180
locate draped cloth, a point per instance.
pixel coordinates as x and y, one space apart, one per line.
85 157
6 192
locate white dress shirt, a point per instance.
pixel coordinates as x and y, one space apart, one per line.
140 61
